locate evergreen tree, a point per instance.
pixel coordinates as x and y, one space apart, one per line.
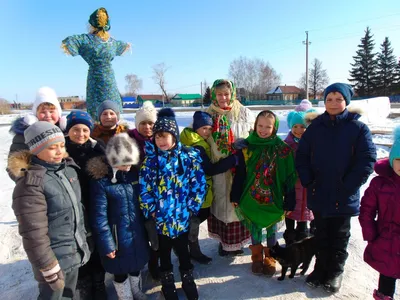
387 67
363 73
207 96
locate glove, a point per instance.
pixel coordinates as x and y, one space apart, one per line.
54 276
194 228
152 234
240 143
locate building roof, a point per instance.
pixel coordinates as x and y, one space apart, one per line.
186 97
129 99
153 97
285 89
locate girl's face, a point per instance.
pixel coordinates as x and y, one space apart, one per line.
146 128
53 154
396 166
335 104
223 97
79 133
124 168
298 130
204 131
108 118
48 113
164 141
265 127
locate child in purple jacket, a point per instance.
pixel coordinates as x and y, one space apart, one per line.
380 221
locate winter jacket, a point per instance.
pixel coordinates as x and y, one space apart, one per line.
300 211
192 139
101 133
116 219
334 158
46 203
173 186
140 140
380 221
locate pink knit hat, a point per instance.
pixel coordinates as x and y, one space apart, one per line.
303 106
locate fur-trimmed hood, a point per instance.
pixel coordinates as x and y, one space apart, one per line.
310 116
98 167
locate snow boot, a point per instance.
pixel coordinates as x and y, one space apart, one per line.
335 272
269 264
168 288
152 266
197 255
257 259
123 290
380 296
289 236
188 285
318 276
99 288
136 287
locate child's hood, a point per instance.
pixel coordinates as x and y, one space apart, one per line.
189 137
353 113
382 167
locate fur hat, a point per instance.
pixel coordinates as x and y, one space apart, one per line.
146 113
296 117
41 135
345 89
46 95
395 151
304 105
108 104
79 117
121 150
200 119
166 122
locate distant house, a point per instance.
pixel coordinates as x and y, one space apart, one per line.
72 102
284 93
186 99
156 99
129 102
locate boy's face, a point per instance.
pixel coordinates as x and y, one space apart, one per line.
47 112
79 134
298 130
165 141
108 118
335 104
204 131
146 128
265 127
124 168
53 154
396 166
223 97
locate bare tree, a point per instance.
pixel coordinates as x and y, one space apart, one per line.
4 107
133 84
204 86
159 71
318 78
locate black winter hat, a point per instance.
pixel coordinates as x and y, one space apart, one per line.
166 122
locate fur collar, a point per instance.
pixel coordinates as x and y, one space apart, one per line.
98 167
312 115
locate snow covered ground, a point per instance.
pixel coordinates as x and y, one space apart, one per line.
225 278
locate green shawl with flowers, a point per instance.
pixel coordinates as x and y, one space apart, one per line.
270 174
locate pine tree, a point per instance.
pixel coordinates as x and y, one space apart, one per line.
363 73
387 67
207 96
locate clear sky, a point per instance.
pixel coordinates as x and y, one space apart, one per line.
196 39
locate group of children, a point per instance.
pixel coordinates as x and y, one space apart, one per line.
146 191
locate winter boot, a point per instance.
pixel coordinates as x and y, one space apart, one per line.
257 259
136 287
99 288
197 255
269 267
318 276
123 290
168 288
153 265
188 285
289 236
335 272
380 296
83 289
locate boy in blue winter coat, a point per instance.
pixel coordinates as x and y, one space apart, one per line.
172 189
335 157
117 221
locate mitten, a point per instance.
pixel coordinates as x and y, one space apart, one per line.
54 276
240 143
194 228
152 234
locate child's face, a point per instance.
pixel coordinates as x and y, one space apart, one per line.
79 134
335 104
204 131
53 154
48 113
298 130
223 97
265 127
108 118
146 128
165 141
396 166
124 168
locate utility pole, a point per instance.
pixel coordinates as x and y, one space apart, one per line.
201 89
306 43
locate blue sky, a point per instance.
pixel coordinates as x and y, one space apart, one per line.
196 39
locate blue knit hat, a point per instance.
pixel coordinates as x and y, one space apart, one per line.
296 117
200 119
108 104
345 89
79 117
395 151
166 122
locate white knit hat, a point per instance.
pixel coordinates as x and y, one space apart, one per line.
122 150
146 113
46 95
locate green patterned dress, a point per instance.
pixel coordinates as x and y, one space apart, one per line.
101 84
